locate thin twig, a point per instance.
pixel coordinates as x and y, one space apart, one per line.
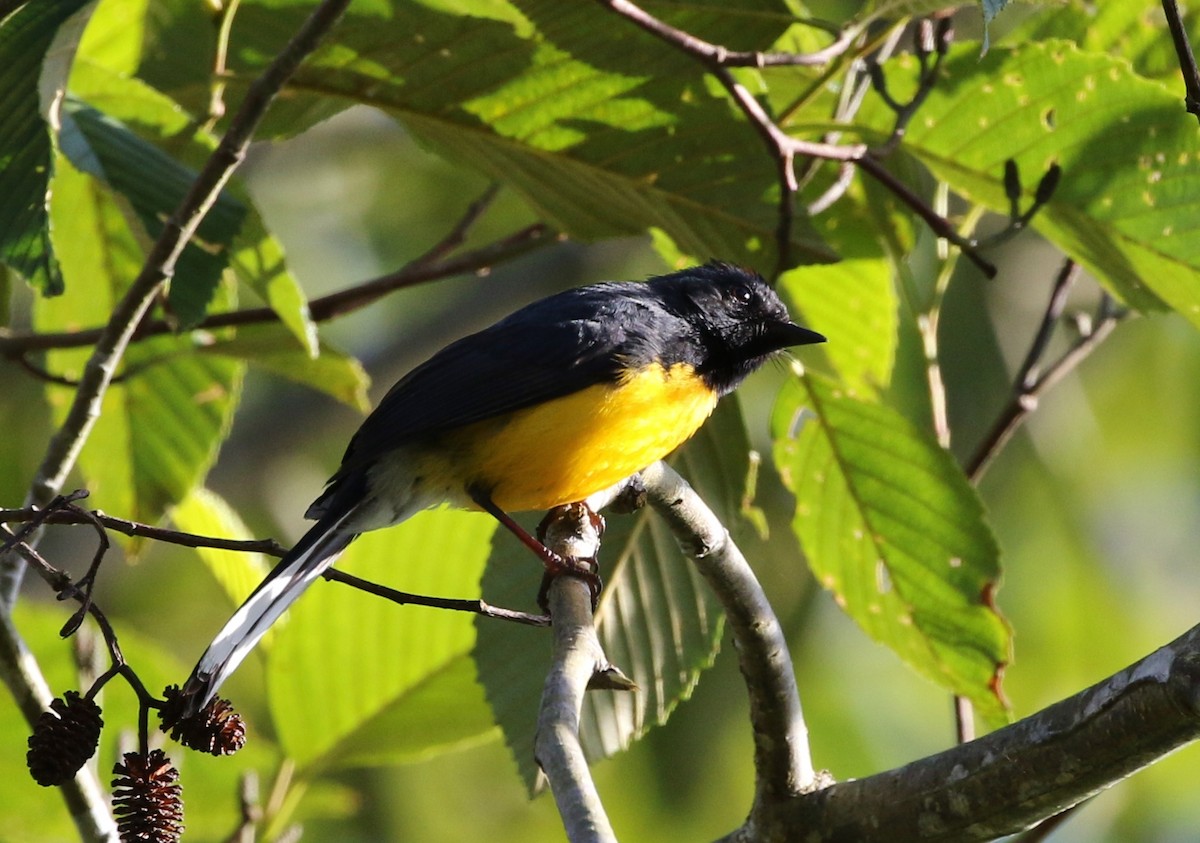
216 100
1187 59
33 518
477 607
159 267
321 309
1030 383
940 226
138 529
717 55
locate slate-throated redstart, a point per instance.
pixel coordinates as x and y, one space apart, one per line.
562 399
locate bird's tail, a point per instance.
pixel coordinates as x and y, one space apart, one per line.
317 550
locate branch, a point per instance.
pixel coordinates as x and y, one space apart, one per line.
1031 382
1018 775
160 263
1187 59
323 309
82 794
782 147
719 56
73 515
782 762
577 661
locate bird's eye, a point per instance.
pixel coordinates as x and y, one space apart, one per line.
741 294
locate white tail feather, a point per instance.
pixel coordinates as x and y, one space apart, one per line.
317 550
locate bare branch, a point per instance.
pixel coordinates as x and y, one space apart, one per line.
1187 59
321 309
74 515
719 56
782 762
1031 382
578 658
1010 779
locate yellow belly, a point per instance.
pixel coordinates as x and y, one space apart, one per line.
567 449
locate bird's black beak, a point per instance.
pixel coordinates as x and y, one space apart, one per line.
787 334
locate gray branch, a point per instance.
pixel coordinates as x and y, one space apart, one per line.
782 762
578 659
83 794
1016 776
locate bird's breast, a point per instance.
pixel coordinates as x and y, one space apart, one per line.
564 450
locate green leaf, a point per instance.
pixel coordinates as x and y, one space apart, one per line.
257 258
161 426
1130 191
602 131
155 184
892 528
334 372
270 348
1134 31
259 262
26 151
206 513
348 668
657 619
853 303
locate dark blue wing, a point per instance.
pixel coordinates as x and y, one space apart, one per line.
549 349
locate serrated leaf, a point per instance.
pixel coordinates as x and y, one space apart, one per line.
256 257
853 303
892 528
272 349
657 620
155 184
1135 31
602 132
206 513
26 151
160 427
1129 199
347 663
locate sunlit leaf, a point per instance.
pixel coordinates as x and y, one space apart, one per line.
161 426
892 528
270 348
853 303
601 138
26 154
256 256
154 184
206 513
1130 191
354 678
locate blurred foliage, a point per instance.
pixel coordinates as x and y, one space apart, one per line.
402 723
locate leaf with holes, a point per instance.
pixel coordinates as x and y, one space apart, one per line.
1128 202
892 528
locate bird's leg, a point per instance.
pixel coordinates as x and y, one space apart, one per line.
555 563
586 569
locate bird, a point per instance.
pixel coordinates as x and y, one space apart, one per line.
561 399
